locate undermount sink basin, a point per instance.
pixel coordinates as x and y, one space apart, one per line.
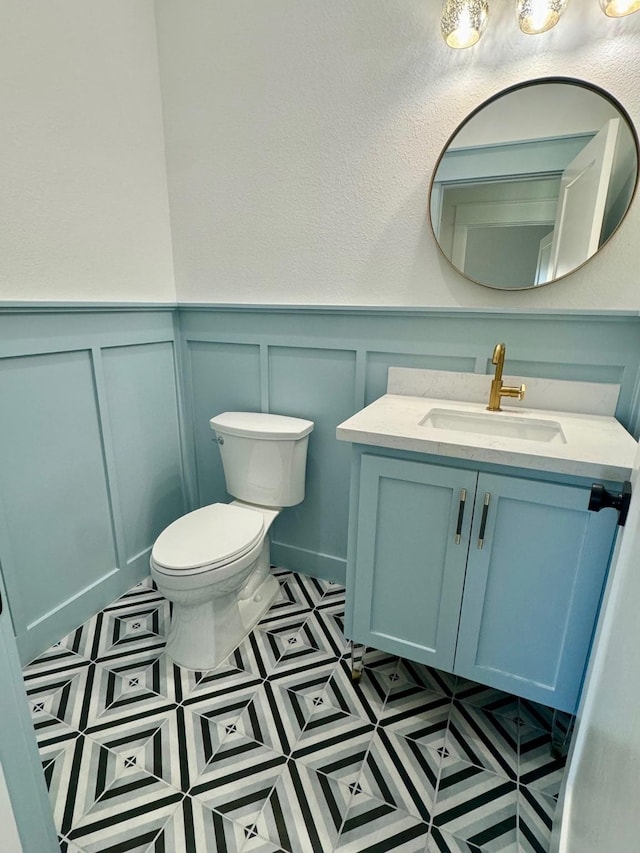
495 423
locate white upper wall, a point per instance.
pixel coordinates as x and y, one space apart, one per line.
301 138
84 208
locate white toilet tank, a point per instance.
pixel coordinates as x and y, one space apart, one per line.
264 456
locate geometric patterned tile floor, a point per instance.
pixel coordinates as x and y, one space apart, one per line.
277 749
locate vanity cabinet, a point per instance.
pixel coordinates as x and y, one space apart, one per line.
494 577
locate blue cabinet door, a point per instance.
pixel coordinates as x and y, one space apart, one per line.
410 563
18 751
533 589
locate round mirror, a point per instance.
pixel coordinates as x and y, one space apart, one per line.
533 183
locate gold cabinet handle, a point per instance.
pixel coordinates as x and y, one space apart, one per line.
483 520
463 500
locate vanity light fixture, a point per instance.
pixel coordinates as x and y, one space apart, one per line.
619 8
538 16
463 21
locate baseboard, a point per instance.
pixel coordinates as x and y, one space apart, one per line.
69 614
324 566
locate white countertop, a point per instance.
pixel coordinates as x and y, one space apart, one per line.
595 446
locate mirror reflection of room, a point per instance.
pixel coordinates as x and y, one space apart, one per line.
533 184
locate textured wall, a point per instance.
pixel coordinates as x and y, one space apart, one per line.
301 138
84 211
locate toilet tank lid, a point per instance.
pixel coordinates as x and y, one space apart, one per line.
261 425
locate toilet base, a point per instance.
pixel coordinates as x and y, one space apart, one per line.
198 640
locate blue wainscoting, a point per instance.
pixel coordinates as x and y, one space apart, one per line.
90 460
104 423
326 363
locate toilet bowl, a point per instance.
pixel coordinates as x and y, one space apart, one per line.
213 564
203 563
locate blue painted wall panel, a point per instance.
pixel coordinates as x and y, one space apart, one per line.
53 488
89 458
19 755
317 384
221 377
143 426
36 329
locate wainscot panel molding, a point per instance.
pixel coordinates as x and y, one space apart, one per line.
91 460
326 363
19 757
104 422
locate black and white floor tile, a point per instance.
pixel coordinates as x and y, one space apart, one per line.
278 749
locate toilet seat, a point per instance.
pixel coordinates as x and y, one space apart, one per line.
208 538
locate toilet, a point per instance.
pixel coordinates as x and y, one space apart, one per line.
213 563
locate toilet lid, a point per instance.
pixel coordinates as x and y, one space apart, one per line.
209 536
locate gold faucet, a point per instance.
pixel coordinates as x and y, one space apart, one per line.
498 390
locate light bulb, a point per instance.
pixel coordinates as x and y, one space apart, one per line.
619 8
538 16
463 22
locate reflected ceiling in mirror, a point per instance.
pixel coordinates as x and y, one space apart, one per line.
533 183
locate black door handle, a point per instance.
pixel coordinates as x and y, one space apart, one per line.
602 498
